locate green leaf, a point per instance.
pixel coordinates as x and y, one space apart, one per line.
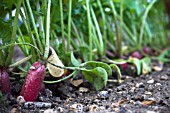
98 77
84 50
94 64
74 61
27 39
164 56
146 65
9 3
137 63
5 32
115 67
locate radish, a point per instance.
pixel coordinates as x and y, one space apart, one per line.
146 50
4 81
136 54
33 82
124 66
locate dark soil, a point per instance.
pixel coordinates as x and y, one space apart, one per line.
140 94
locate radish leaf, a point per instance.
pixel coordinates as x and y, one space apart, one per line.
94 64
97 76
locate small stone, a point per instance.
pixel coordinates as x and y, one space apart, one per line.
153 99
120 92
96 101
131 101
14 110
150 81
76 83
140 85
93 108
116 109
20 100
76 107
60 109
150 112
103 94
49 111
158 84
138 103
102 108
83 90
122 110
148 93
164 77
132 89
121 88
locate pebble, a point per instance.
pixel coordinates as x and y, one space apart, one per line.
20 100
122 110
148 93
140 85
164 77
93 108
150 81
76 107
60 109
138 103
49 111
14 110
103 94
121 88
158 84
150 112
132 89
83 90
153 99
102 108
96 101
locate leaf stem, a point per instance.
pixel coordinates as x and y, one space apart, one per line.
27 25
14 31
144 21
69 26
62 24
26 52
13 44
60 80
47 31
101 49
104 25
63 67
89 30
34 26
117 28
21 61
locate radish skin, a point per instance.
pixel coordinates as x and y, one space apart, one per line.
136 54
5 86
146 50
33 81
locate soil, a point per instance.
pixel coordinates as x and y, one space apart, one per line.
139 94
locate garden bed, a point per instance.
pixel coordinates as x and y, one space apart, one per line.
135 94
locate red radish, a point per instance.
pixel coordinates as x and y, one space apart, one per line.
33 82
146 50
5 86
124 66
136 54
